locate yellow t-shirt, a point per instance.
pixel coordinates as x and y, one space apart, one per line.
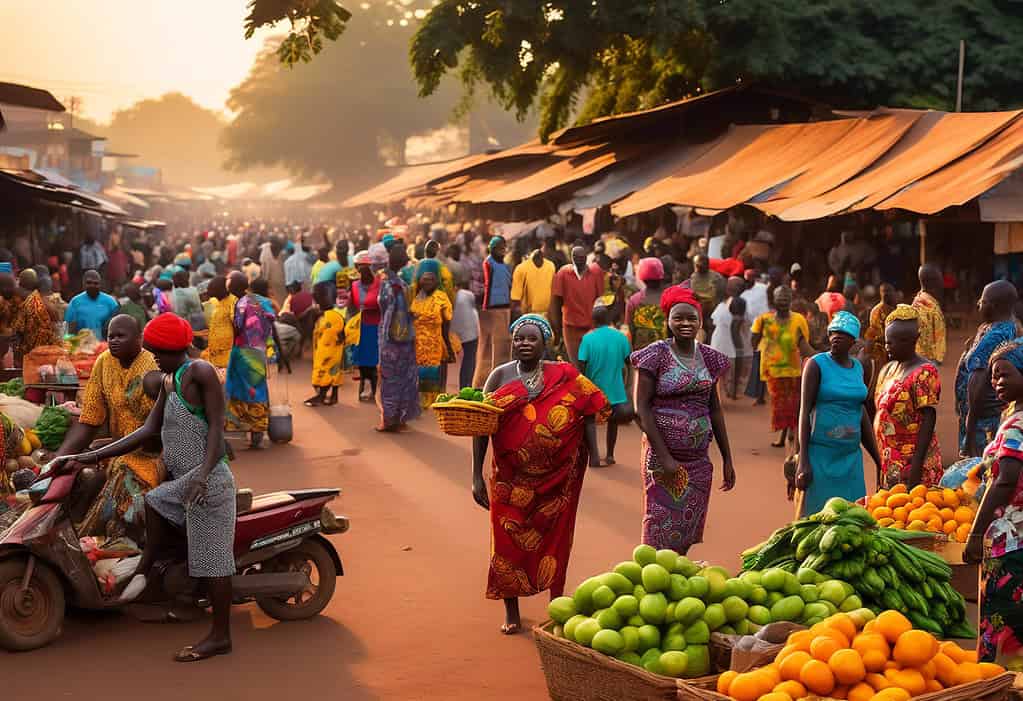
532 286
779 344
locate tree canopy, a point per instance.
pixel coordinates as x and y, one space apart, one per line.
348 113
621 55
310 22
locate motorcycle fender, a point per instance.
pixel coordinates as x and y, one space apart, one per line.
338 565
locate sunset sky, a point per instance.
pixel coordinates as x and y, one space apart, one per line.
111 53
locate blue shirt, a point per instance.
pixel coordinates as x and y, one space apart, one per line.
605 351
327 272
498 280
88 313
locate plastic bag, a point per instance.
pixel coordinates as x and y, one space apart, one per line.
110 572
955 475
751 651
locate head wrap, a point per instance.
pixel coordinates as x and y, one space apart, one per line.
362 258
1011 351
603 302
903 312
168 332
183 261
650 269
846 322
377 254
677 294
428 265
494 240
388 240
536 320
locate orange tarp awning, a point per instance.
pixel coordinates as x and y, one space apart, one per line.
753 165
934 141
969 177
867 141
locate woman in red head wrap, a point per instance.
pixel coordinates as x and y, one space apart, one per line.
679 410
643 315
199 494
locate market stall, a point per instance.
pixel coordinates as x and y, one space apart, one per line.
838 605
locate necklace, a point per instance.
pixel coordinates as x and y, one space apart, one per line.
532 379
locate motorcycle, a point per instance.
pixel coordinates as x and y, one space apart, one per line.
284 562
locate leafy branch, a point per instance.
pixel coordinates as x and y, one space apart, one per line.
311 21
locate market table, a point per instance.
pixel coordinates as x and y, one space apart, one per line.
67 392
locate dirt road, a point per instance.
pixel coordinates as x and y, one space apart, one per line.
408 620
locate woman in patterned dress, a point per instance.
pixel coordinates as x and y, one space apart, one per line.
643 313
546 437
199 494
679 409
399 374
908 391
328 348
996 540
432 312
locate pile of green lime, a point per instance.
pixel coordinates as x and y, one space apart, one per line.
658 609
469 394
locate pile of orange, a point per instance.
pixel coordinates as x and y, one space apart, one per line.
886 660
934 509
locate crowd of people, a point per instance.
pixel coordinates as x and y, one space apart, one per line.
564 333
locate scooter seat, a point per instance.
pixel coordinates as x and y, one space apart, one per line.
265 502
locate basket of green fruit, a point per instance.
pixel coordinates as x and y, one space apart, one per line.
468 413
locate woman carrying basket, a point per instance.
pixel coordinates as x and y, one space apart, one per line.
545 438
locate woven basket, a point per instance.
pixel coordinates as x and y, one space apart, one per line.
462 420
577 673
995 689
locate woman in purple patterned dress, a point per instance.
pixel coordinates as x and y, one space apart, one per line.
678 408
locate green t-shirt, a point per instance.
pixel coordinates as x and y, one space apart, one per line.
605 351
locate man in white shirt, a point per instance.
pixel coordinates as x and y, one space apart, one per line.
465 322
756 304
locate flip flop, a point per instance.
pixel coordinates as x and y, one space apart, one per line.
510 628
189 654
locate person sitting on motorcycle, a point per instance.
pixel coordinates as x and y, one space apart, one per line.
199 494
115 395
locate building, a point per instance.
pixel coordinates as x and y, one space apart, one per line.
39 128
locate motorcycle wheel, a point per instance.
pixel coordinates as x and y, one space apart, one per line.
313 559
29 619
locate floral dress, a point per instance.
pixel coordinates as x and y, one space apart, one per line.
646 322
430 312
675 506
1001 579
897 422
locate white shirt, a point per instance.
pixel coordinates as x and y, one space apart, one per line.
465 320
756 300
714 246
721 339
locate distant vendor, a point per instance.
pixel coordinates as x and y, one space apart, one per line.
91 309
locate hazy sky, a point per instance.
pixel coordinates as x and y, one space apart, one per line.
111 53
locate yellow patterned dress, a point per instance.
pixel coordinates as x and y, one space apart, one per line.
430 312
540 456
114 395
328 349
220 321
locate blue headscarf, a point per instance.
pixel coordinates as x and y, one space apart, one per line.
428 265
535 320
846 322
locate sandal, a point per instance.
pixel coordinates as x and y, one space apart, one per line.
510 628
189 654
315 401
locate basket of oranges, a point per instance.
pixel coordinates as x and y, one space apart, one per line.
884 659
938 510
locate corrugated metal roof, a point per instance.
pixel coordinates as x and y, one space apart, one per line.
25 96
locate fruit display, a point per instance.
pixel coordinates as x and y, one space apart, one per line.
658 609
466 394
934 509
849 656
843 541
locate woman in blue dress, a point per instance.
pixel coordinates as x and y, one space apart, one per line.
833 421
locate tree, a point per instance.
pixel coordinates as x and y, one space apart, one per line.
310 22
628 54
173 133
347 114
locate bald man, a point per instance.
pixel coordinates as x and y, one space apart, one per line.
91 309
576 287
978 407
932 321
115 397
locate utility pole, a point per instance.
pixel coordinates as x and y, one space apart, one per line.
74 104
959 83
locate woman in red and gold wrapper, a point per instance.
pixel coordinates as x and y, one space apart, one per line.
546 437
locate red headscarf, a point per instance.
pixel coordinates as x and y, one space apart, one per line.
168 332
677 294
